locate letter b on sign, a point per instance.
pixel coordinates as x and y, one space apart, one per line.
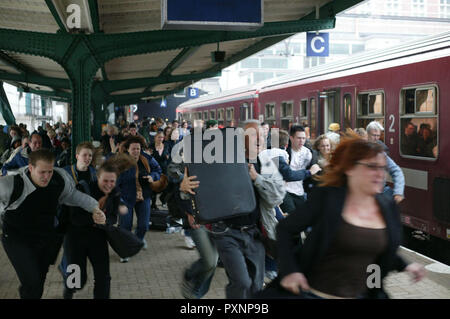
317 44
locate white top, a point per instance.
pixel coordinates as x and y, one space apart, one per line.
299 160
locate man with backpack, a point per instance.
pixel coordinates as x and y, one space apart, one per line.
29 203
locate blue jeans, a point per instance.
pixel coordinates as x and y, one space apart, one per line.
242 254
63 265
143 218
201 272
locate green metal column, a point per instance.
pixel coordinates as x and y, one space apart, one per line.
5 108
81 67
99 119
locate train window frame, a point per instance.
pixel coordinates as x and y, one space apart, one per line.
371 116
272 105
313 128
300 113
205 115
347 117
418 115
244 112
231 109
212 112
221 111
284 116
199 115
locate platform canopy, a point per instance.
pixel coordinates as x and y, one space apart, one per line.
120 54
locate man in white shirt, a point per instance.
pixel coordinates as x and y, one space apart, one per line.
300 158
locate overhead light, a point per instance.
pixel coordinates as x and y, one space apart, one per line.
218 56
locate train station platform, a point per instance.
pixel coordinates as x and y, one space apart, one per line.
156 273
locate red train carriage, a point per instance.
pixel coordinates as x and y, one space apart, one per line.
228 108
406 89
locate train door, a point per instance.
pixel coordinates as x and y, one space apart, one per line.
348 113
312 114
329 109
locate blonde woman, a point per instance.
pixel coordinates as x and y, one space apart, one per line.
323 146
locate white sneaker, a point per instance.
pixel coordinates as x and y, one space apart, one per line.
124 260
189 242
145 244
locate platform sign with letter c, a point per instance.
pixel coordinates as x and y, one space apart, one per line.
317 44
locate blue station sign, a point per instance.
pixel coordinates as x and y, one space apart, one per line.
192 93
317 44
212 14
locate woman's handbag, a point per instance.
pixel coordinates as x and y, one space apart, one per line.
160 185
122 241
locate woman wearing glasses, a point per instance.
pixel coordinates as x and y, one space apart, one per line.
356 231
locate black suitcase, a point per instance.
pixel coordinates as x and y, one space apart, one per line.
159 219
225 189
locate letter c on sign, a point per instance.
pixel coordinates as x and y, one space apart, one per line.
313 44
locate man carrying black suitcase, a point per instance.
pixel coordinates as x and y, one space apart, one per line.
238 239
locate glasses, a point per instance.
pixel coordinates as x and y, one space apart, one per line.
373 167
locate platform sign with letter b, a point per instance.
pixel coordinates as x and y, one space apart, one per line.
317 44
192 93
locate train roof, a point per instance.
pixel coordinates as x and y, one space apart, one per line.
428 48
431 47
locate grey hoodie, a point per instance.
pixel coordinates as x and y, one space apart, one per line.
70 195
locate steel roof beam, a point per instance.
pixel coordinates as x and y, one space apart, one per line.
19 67
176 62
57 94
118 85
93 9
54 83
5 107
112 46
137 97
51 6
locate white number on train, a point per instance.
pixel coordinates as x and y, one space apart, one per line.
391 127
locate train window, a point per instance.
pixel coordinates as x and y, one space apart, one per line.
370 108
347 111
220 114
418 122
270 111
199 116
313 121
371 104
205 115
303 114
230 113
287 109
244 112
212 114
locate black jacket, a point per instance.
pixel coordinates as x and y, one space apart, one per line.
79 218
323 211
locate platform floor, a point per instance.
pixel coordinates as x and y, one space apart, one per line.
156 273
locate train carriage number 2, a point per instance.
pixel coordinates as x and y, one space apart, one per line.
391 127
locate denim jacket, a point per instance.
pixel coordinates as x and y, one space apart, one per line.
397 176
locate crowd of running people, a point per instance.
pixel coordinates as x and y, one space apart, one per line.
323 213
